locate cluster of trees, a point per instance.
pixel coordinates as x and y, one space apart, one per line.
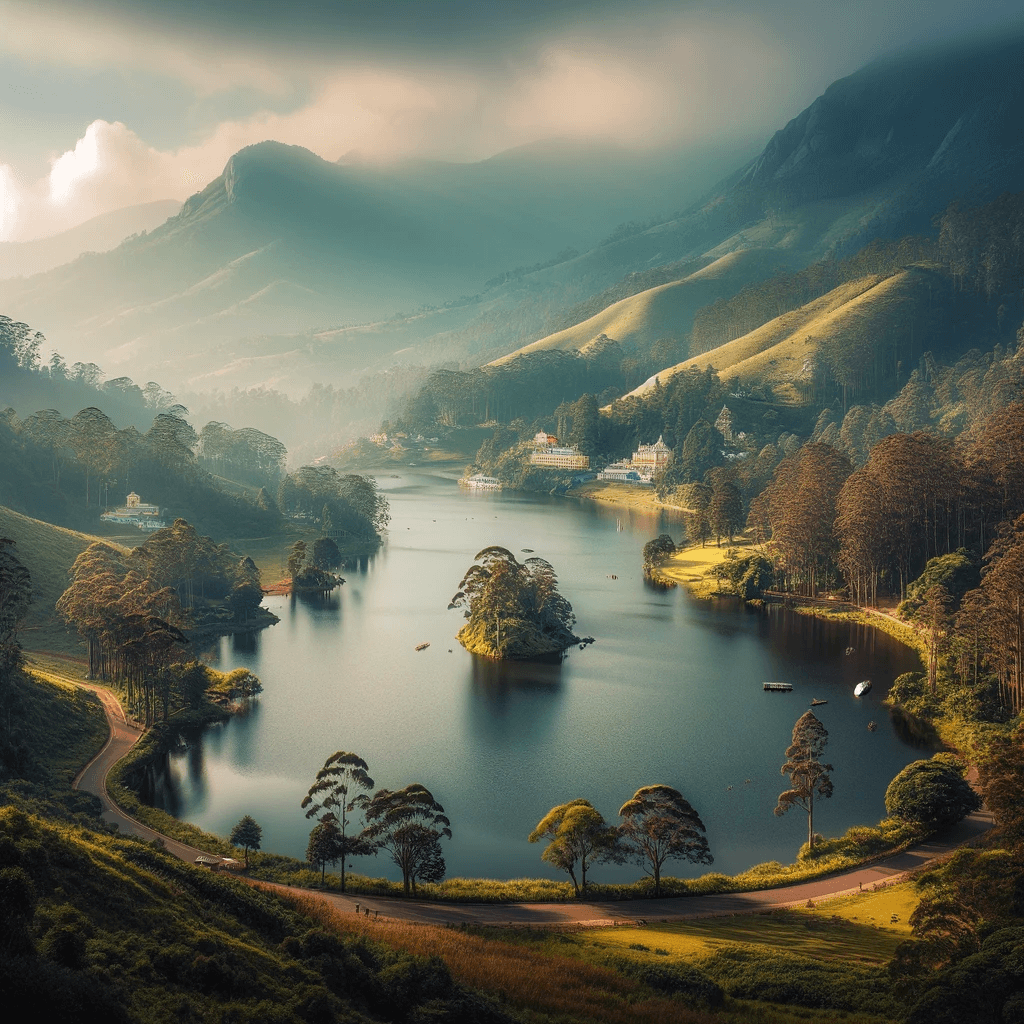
343 505
408 824
514 608
658 825
247 454
132 608
65 470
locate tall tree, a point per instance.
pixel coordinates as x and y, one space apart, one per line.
409 824
324 845
247 834
577 836
659 824
335 795
808 775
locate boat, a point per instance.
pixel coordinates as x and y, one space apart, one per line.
423 647
778 687
527 551
850 650
816 702
862 688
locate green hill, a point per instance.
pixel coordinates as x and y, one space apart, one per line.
48 552
861 318
664 311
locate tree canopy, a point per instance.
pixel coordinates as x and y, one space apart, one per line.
409 824
660 824
577 836
934 793
247 834
514 609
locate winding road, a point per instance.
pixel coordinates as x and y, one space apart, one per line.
124 734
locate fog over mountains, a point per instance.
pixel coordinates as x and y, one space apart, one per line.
287 269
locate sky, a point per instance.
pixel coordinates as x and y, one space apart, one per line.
109 103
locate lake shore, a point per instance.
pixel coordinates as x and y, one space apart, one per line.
640 499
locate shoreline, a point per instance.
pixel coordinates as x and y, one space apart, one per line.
637 499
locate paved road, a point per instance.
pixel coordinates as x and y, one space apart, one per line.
124 735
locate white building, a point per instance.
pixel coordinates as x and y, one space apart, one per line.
136 512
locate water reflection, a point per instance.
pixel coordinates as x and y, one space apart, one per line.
244 643
510 700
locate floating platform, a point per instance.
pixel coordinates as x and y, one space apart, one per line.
778 687
816 702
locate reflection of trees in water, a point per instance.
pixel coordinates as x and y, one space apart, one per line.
245 643
658 586
512 700
356 563
915 732
160 787
325 605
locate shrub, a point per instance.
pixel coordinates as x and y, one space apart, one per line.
933 793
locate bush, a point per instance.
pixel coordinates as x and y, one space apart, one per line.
933 793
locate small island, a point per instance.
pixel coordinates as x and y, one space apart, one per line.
514 609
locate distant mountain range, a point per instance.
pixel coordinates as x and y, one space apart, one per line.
287 269
99 234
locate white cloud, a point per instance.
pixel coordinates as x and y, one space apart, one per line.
668 84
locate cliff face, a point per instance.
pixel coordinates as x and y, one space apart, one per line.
947 116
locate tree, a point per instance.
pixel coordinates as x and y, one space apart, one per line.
808 775
296 557
577 834
334 796
248 835
15 595
325 847
409 825
660 825
934 793
325 553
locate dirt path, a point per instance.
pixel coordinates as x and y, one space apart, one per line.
124 735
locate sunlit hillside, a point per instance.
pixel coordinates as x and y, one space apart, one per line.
663 311
858 317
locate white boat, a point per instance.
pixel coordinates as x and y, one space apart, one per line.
479 482
861 688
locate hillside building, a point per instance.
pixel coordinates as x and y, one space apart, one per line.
135 512
652 456
549 454
647 460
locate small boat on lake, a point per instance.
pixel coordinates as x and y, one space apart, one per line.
850 650
861 688
778 687
816 702
423 646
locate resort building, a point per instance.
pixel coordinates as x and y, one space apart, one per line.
548 454
135 512
647 460
652 456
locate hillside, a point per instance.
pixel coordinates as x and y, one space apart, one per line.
48 552
854 317
99 234
664 311
283 242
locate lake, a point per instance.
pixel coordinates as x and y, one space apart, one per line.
670 692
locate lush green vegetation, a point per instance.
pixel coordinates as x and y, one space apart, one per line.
514 609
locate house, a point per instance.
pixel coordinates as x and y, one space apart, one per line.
135 512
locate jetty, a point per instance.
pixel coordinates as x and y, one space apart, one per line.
778 687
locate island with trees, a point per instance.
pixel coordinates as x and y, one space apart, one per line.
514 608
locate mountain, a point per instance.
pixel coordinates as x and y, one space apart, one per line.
287 270
878 155
283 242
100 234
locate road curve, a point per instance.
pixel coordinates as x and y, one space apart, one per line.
124 735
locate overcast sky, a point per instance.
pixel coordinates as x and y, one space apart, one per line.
104 104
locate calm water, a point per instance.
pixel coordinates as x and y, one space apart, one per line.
669 693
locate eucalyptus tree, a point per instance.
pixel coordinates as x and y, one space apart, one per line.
578 836
659 825
15 595
409 825
335 797
808 775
